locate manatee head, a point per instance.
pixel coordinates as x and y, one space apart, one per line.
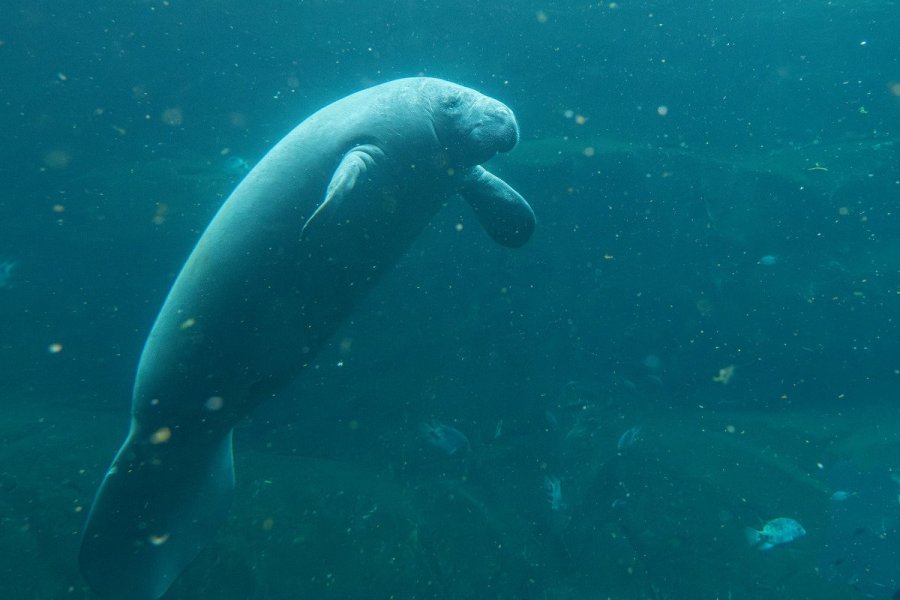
470 126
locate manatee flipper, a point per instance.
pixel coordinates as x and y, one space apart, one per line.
356 166
503 213
158 506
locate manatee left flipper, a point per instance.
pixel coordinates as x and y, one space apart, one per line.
503 213
355 167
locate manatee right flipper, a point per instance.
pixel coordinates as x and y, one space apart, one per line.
503 213
356 166
158 505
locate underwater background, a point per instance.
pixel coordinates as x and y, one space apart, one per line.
702 336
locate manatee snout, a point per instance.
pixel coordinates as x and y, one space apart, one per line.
494 128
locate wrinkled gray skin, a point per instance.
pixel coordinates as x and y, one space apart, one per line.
301 239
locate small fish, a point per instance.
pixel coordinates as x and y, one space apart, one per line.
235 165
444 437
652 362
774 533
628 438
554 492
841 495
768 260
551 419
7 267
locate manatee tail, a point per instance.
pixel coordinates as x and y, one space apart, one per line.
159 504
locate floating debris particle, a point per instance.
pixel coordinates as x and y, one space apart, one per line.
161 436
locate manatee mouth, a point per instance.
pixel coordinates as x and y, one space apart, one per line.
498 138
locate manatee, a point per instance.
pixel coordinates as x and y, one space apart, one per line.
309 230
